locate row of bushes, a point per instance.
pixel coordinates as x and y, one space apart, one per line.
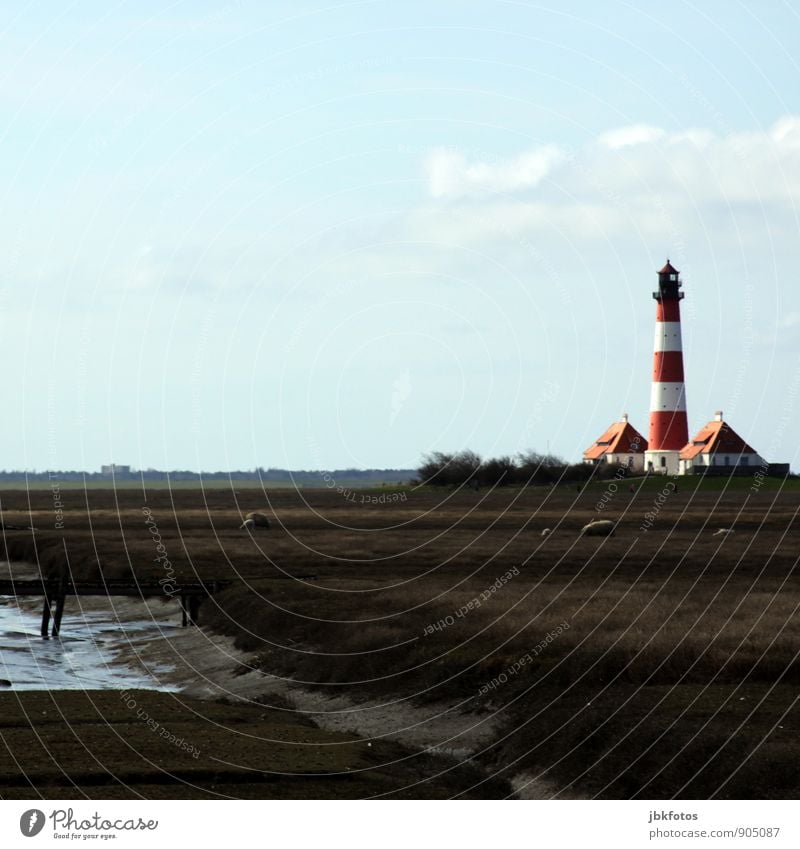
467 468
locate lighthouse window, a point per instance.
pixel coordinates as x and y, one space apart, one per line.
673 277
663 462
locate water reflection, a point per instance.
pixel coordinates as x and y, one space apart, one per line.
83 656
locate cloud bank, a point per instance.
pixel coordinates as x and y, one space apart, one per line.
630 161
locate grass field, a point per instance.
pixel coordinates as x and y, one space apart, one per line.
661 662
690 484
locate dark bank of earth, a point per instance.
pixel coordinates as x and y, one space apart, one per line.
144 744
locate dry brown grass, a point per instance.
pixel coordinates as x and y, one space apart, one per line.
669 629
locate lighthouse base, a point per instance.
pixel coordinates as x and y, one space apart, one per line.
663 462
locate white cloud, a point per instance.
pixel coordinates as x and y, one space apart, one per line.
451 175
637 177
696 138
632 135
786 131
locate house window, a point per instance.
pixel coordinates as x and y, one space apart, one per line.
727 461
745 461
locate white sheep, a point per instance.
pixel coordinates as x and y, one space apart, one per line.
600 528
255 520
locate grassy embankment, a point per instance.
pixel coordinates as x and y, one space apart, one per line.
678 673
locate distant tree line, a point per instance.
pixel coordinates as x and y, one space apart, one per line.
305 477
467 468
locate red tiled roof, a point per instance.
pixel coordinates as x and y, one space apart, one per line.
716 437
620 438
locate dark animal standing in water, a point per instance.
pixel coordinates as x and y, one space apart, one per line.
255 520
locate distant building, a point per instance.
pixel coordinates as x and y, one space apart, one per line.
113 470
621 444
717 446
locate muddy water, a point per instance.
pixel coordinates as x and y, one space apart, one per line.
83 656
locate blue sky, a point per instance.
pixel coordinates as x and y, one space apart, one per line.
316 235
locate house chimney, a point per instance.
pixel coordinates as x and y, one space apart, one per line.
718 416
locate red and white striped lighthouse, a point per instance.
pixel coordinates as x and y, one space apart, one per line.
669 430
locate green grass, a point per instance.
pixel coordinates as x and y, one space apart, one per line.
692 483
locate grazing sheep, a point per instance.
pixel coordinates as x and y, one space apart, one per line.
723 532
255 520
545 532
600 528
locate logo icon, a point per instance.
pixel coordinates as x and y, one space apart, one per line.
31 822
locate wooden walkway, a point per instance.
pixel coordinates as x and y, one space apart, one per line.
55 592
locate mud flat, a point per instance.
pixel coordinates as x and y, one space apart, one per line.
205 666
145 744
204 732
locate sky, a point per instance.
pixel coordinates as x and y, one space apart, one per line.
311 235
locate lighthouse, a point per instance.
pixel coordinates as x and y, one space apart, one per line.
669 430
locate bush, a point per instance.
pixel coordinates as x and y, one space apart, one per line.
530 468
441 469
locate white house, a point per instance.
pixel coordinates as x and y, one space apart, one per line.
718 445
621 443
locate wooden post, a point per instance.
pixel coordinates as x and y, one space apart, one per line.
194 609
46 615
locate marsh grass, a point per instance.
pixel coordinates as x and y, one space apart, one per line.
679 664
